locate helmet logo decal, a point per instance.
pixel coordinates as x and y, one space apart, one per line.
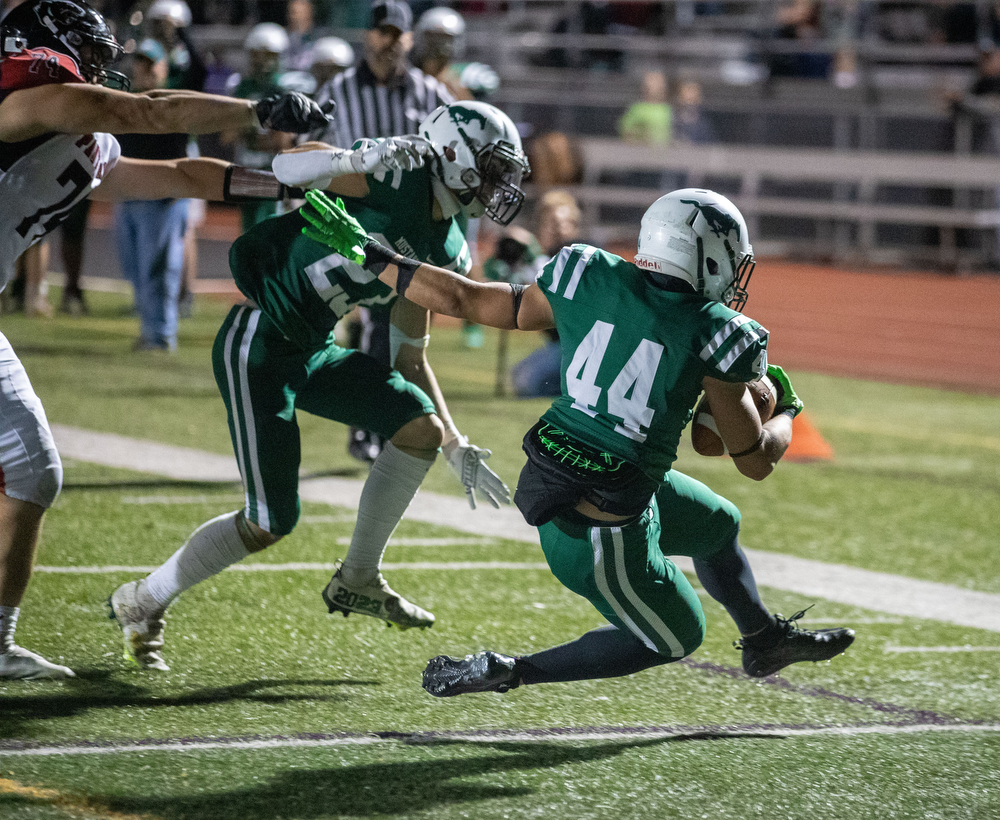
467 115
720 222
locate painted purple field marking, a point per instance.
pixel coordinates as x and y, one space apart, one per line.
914 717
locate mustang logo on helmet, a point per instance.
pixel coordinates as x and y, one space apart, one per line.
478 157
720 222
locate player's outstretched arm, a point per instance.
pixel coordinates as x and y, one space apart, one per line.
78 108
315 164
495 304
133 179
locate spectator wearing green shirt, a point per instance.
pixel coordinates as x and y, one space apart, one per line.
648 120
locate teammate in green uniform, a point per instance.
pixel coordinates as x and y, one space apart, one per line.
278 355
640 342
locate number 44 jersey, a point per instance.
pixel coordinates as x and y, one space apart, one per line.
634 355
42 178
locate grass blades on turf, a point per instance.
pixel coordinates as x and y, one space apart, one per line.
315 716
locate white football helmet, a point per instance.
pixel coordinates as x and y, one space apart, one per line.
332 50
478 156
701 237
267 37
176 11
440 33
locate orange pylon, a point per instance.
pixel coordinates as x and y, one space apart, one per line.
808 443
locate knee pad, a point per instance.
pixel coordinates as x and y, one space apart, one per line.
48 483
30 466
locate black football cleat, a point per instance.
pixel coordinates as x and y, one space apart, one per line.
485 671
793 645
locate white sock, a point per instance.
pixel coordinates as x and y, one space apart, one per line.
8 623
394 479
212 547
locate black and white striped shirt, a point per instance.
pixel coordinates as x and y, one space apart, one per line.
366 108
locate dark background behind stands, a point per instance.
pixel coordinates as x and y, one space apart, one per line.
882 75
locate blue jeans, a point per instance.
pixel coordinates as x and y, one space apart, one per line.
150 238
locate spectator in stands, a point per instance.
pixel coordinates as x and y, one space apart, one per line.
519 258
150 233
588 18
382 96
908 22
689 124
982 101
555 160
648 119
800 21
255 148
301 30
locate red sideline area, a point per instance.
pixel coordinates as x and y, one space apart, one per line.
880 324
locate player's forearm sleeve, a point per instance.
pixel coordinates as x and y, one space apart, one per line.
303 168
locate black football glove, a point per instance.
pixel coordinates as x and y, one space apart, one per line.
294 112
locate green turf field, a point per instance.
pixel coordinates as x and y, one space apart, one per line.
274 709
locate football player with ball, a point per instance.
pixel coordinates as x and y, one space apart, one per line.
640 343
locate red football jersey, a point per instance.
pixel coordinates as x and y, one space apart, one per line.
42 178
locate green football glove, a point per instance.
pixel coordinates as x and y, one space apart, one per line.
331 225
788 402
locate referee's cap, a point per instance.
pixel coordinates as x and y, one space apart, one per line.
393 13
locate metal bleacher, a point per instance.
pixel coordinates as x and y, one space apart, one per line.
878 165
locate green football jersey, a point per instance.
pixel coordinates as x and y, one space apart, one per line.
304 289
634 355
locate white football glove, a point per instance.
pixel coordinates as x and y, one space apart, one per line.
391 154
469 464
316 168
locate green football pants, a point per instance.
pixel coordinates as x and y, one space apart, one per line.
625 573
264 379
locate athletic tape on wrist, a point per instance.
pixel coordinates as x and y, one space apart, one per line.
378 258
252 185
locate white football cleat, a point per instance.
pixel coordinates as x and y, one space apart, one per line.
141 620
375 598
17 663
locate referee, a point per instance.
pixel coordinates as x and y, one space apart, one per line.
382 96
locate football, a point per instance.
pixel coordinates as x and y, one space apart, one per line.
705 435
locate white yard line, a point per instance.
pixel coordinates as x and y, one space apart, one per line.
631 734
943 649
300 566
876 591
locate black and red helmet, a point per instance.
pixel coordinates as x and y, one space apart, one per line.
73 28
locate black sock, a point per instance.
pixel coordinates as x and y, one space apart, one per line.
727 577
605 652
